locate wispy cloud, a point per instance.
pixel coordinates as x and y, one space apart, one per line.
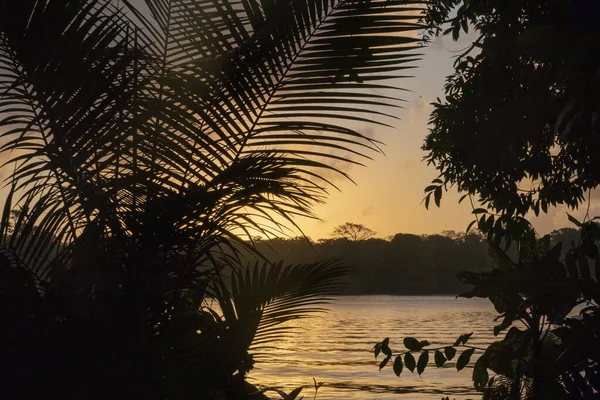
367 211
419 108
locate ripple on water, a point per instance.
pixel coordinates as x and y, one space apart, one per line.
336 348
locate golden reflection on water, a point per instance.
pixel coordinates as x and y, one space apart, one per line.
335 348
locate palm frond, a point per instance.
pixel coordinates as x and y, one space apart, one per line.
183 129
264 297
232 82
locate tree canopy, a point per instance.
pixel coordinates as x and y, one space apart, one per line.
518 125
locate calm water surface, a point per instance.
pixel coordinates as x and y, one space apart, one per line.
337 348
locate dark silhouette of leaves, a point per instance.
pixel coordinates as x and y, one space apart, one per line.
439 358
409 361
449 352
423 361
464 359
412 344
398 366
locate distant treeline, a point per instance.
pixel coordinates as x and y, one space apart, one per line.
402 264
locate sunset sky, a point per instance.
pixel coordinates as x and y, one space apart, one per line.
388 192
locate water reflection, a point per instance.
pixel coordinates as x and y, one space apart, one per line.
336 348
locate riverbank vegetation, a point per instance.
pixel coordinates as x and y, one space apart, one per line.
403 264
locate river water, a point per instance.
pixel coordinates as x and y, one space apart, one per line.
336 348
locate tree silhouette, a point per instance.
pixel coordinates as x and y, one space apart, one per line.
353 232
541 155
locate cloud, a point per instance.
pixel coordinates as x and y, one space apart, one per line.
419 108
367 211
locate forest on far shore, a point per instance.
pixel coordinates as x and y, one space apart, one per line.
404 264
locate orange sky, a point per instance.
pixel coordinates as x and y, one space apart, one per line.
388 192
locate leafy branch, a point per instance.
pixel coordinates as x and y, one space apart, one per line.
440 356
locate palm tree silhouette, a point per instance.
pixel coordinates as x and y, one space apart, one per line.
144 143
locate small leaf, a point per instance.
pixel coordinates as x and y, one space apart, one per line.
412 344
398 365
427 199
450 352
423 361
384 362
574 220
481 225
424 343
463 339
479 211
439 358
467 337
377 350
455 32
457 342
410 362
437 195
386 350
462 198
464 359
465 25
488 223
430 188
471 225
294 393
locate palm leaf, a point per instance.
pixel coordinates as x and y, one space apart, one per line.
264 297
65 86
179 130
263 80
142 146
195 90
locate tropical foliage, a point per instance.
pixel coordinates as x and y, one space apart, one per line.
141 144
517 129
513 133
